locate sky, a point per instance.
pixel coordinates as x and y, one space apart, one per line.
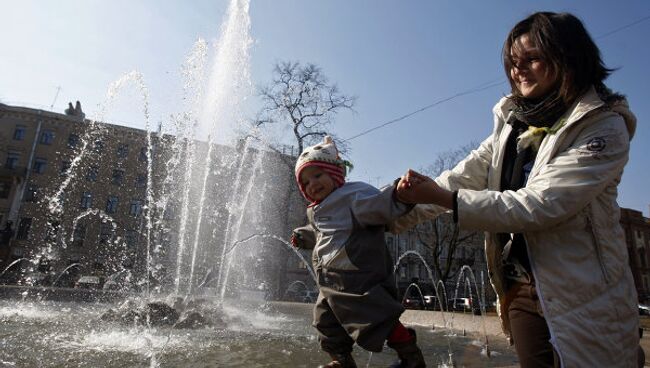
396 57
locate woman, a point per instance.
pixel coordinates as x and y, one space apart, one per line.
543 186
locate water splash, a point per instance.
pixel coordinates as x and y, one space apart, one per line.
471 280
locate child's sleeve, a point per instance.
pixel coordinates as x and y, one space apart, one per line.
304 237
378 207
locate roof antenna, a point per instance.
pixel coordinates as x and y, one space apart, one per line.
58 89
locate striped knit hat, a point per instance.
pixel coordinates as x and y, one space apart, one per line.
324 155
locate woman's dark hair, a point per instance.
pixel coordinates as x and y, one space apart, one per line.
566 47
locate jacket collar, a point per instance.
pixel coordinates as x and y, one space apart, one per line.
588 102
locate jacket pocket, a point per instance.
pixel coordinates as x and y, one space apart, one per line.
596 242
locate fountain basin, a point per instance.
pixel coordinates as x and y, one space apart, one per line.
50 333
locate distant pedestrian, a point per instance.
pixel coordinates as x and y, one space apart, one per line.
543 186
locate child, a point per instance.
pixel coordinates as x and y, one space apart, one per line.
358 300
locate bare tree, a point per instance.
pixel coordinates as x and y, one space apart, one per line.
301 100
448 159
441 235
301 97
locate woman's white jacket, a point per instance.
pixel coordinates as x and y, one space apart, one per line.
569 216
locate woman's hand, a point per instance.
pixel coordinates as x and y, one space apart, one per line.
414 187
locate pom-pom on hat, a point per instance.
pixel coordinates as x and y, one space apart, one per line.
324 155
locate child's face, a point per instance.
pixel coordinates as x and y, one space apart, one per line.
317 183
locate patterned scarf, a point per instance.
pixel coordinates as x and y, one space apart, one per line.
539 116
538 113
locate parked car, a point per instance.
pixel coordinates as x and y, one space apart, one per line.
37 279
463 305
459 304
431 302
412 302
644 310
89 282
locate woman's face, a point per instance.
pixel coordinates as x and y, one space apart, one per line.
530 73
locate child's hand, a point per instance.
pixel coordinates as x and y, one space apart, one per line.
411 178
412 187
415 178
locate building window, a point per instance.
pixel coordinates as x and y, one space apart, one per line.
642 258
39 165
47 136
638 239
19 133
86 200
122 150
118 177
5 189
78 235
23 228
141 181
136 207
65 166
92 173
12 160
143 154
111 204
31 193
73 141
105 233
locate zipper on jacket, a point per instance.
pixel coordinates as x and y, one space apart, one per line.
599 253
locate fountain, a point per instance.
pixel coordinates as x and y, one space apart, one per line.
12 265
211 230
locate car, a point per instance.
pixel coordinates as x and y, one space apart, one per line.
644 310
459 304
431 302
463 305
89 282
36 279
412 302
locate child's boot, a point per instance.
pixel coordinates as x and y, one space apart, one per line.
410 355
340 361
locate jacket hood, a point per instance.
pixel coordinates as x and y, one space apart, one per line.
622 108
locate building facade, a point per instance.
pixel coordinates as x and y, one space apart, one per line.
68 195
637 237
76 199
